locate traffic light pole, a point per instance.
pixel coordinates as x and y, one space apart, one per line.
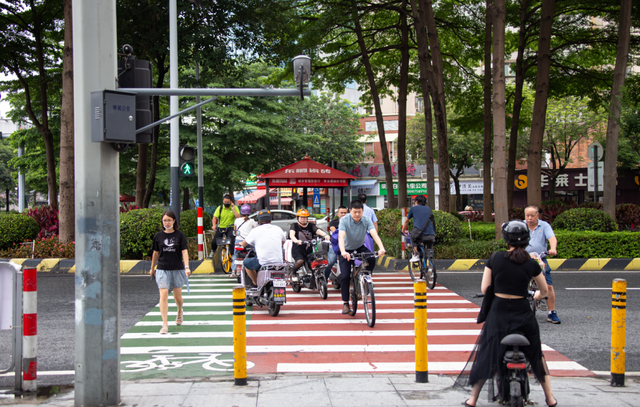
97 275
174 145
199 144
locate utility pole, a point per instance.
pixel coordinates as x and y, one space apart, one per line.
97 275
174 145
199 144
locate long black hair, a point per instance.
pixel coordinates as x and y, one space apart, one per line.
172 215
519 254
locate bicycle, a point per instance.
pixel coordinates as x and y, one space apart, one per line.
533 287
426 266
361 288
224 254
166 362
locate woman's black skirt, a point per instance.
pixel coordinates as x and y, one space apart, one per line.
506 316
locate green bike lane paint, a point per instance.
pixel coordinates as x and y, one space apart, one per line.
208 323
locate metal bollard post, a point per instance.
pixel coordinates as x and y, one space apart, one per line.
420 314
618 330
239 336
30 330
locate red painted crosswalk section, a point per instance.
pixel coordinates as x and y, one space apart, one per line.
310 335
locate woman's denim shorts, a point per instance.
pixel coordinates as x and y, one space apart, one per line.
170 279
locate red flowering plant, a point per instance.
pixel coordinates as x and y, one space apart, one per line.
45 248
47 219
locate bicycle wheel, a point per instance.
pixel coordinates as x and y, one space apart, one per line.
322 287
353 298
430 274
227 260
368 302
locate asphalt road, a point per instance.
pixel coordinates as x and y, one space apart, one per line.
583 336
585 332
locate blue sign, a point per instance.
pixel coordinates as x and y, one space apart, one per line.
316 197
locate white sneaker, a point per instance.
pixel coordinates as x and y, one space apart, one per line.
415 258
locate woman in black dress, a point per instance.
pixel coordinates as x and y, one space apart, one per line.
509 273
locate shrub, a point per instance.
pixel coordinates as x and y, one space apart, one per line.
553 202
16 228
189 222
628 217
460 217
137 228
45 248
464 249
47 219
448 227
482 231
585 219
476 216
589 244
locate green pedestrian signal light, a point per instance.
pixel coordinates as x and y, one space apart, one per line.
187 161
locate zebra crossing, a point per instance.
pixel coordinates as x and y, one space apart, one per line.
310 335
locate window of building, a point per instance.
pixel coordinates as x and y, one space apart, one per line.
419 105
393 151
368 148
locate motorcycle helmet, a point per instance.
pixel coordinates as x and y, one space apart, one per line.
264 216
515 232
245 210
302 212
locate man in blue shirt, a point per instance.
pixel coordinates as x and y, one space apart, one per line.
351 234
368 211
539 232
421 214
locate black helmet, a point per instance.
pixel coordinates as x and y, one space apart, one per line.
515 232
264 216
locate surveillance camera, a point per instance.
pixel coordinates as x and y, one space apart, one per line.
127 49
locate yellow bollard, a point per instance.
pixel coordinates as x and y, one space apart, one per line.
239 336
618 330
420 314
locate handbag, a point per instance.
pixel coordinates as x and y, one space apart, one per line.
416 233
487 300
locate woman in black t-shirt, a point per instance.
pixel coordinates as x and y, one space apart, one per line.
509 273
172 257
300 232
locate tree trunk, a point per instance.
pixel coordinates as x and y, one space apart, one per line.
499 125
402 109
141 173
66 215
376 103
517 103
439 106
613 127
534 158
423 59
486 151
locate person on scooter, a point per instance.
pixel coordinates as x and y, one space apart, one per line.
332 257
352 231
267 240
300 232
508 273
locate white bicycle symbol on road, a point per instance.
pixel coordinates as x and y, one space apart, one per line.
209 361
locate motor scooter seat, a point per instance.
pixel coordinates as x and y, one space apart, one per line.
515 339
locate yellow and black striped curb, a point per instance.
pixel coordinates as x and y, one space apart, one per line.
62 266
555 264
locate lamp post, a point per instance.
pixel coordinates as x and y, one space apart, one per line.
301 72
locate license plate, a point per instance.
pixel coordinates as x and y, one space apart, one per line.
280 294
280 283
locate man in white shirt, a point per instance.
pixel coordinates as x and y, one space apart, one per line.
267 240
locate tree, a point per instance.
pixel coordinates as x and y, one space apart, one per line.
66 214
486 145
629 140
31 52
569 121
7 183
611 149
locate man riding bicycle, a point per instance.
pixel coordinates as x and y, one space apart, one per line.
267 240
424 221
223 218
351 234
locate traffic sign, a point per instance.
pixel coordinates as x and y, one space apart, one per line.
316 197
590 176
595 148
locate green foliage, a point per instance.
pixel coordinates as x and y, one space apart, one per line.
137 229
189 222
448 227
585 219
43 248
464 249
553 202
16 228
590 244
483 231
6 154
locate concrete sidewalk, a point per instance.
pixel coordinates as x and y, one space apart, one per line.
348 390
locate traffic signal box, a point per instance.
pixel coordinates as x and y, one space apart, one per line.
138 73
187 161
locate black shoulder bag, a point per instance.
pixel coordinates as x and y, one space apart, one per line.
416 234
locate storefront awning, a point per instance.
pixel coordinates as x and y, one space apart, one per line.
364 183
252 197
285 201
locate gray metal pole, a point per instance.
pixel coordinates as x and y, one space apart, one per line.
20 183
595 173
200 151
97 276
175 123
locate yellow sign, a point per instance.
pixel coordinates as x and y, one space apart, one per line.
521 182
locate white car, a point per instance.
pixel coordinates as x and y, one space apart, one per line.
284 219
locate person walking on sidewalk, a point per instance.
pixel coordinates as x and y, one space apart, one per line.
351 234
508 274
170 253
541 232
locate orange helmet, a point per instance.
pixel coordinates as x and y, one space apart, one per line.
302 212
